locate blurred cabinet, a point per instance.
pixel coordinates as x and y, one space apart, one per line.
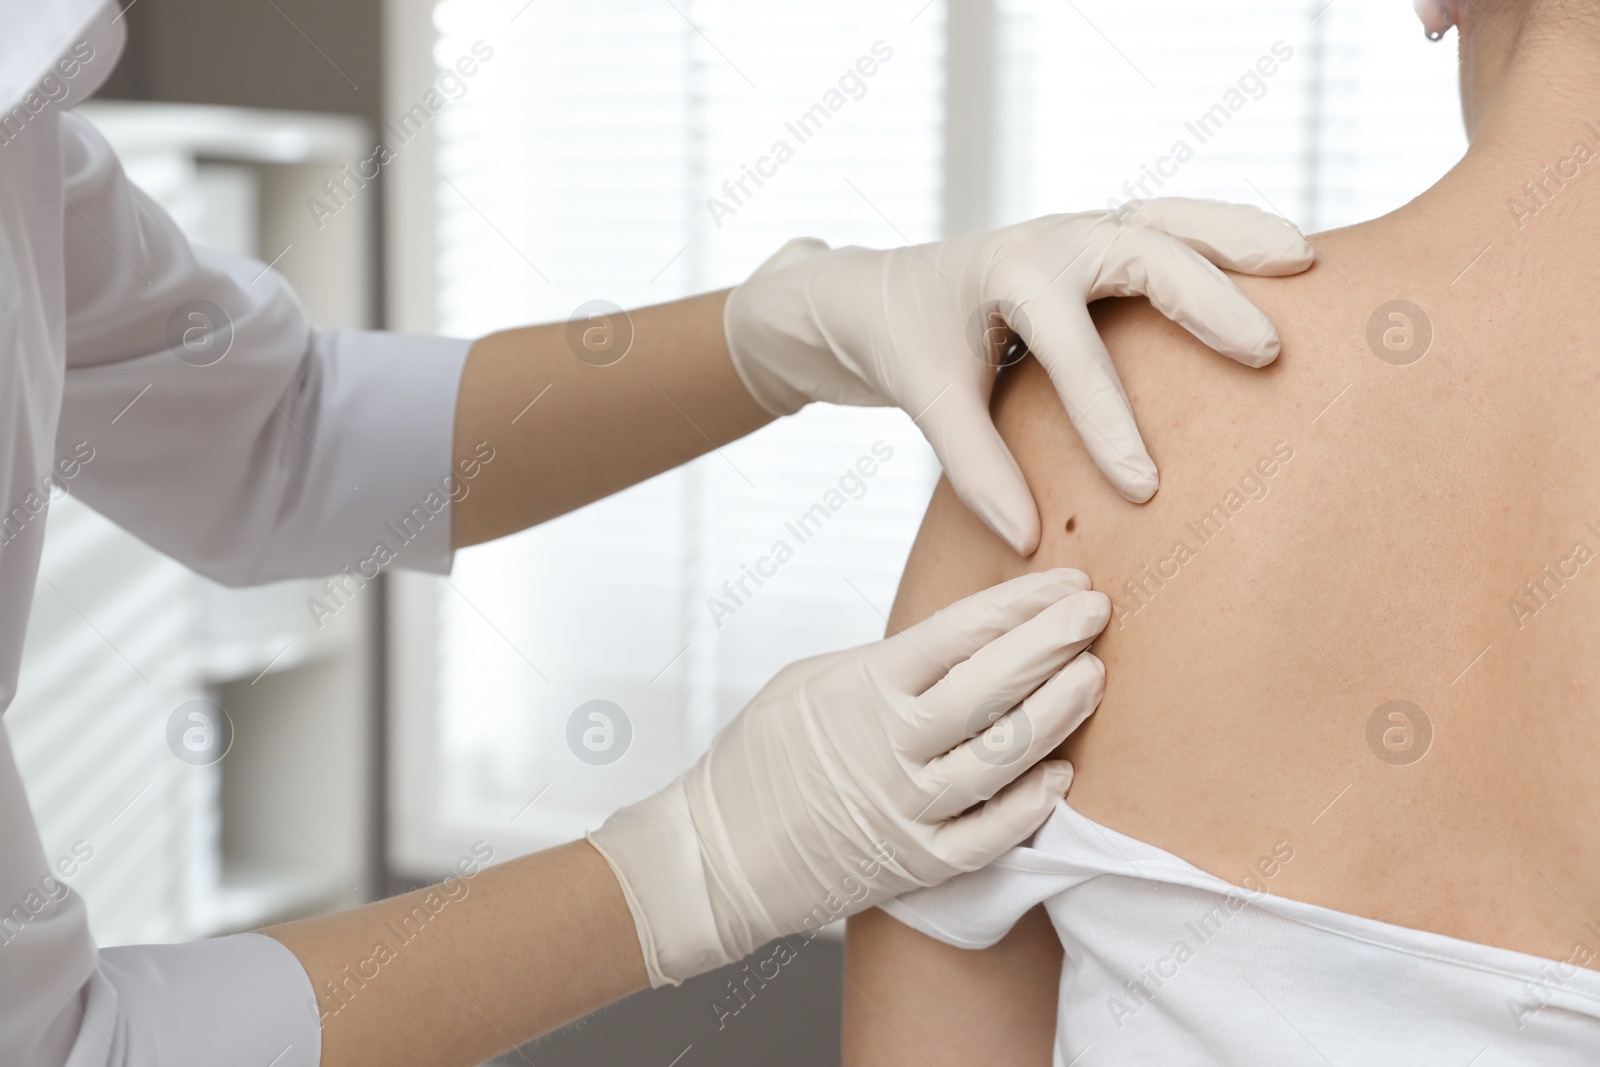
122 638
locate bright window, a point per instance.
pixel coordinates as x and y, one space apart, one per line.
587 159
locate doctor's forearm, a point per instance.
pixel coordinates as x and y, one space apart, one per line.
566 431
490 962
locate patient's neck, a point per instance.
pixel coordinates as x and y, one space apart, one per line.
1530 180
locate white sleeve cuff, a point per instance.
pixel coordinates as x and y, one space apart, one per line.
243 999
390 402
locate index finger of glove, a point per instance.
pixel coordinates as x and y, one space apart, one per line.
1239 237
918 656
1064 340
998 676
1188 289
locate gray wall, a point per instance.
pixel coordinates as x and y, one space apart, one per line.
291 55
251 53
791 1020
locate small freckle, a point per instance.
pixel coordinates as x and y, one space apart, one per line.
1072 524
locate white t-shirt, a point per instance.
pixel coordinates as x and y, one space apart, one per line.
1166 964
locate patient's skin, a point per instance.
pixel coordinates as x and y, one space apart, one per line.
1405 508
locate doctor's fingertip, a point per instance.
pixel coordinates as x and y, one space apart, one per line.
1015 527
1249 337
1070 579
1058 779
1300 252
1091 612
1284 250
1092 665
1269 349
1097 605
1262 351
1136 483
1296 258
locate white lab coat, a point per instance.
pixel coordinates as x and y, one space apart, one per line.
285 458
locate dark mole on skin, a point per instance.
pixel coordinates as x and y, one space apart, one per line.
1072 524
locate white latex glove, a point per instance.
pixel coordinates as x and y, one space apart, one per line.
923 328
856 776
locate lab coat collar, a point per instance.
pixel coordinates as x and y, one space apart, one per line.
39 33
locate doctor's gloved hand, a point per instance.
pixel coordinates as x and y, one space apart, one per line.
925 328
856 776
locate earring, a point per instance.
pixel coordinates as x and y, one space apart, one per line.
1438 8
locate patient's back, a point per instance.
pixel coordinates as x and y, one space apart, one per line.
1357 625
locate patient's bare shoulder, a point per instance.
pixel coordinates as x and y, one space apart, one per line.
956 555
1332 533
1170 378
997 1004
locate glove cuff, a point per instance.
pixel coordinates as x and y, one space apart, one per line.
654 850
767 326
641 924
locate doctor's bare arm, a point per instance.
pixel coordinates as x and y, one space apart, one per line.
574 412
501 955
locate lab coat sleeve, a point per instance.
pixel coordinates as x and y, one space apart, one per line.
243 999
202 413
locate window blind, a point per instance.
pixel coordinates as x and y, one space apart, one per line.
120 637
1328 113
111 650
605 152
598 155
114 644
